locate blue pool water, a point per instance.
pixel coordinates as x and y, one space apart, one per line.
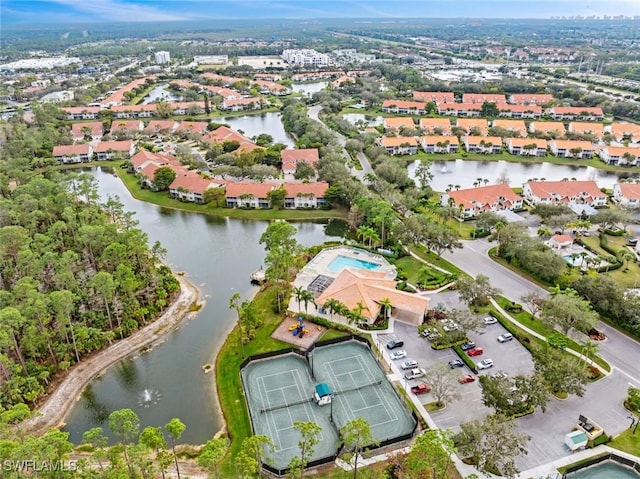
604 470
341 262
577 261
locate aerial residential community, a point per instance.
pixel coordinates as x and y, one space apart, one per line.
319 242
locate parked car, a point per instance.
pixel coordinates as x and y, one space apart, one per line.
456 363
414 373
475 351
451 326
467 378
409 364
421 388
467 346
489 320
485 364
503 338
396 343
401 353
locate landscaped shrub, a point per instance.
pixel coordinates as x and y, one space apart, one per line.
632 403
479 233
514 307
599 440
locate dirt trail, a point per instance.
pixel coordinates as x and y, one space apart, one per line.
58 404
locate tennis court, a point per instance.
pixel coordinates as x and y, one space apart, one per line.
279 391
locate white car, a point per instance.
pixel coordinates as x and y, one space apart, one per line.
414 373
401 353
503 338
485 364
489 320
409 364
451 326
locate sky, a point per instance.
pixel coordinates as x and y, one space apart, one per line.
80 11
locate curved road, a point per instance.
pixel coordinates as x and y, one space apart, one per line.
619 350
313 113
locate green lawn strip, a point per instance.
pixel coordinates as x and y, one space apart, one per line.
411 267
139 97
436 260
163 199
627 442
464 228
524 318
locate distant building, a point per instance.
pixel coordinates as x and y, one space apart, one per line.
57 97
262 62
306 58
162 58
211 59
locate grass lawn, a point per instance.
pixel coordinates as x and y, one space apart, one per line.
627 442
524 318
464 228
627 278
432 258
163 199
228 382
411 268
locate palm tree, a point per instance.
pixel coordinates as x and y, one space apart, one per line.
298 292
589 350
306 296
386 307
625 256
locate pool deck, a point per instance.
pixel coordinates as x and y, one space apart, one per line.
320 263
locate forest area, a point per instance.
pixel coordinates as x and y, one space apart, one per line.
76 274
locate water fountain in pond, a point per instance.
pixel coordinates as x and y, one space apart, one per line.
149 397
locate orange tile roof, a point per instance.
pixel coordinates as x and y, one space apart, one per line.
158 125
126 125
520 108
398 141
482 97
625 129
71 150
187 104
549 126
369 288
105 146
460 106
308 155
434 139
621 150
81 109
144 156
586 127
397 123
630 190
527 141
118 96
513 125
258 190
476 140
531 98
318 189
468 123
437 96
570 144
483 195
195 126
562 239
95 127
576 110
192 182
242 101
443 124
547 189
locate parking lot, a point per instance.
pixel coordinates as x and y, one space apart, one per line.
510 357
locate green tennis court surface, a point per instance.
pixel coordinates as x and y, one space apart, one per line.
279 391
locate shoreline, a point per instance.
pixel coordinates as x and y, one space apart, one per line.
52 412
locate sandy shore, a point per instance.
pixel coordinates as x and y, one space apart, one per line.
52 412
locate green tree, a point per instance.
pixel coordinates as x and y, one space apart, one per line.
153 438
356 436
175 428
431 451
309 432
125 424
212 454
476 292
567 311
254 452
164 109
492 443
277 197
423 173
563 373
304 171
163 177
282 250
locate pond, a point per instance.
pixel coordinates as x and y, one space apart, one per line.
354 118
253 125
309 88
217 255
465 172
160 93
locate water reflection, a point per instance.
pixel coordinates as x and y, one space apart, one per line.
254 125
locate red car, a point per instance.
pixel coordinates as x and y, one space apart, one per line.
477 351
421 388
467 378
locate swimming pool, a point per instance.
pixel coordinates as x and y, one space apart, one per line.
604 470
341 262
573 261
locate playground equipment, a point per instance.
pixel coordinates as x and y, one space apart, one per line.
298 328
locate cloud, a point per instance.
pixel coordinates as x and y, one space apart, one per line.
120 11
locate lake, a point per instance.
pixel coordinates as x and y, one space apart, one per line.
309 88
217 255
160 93
466 172
253 125
354 118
